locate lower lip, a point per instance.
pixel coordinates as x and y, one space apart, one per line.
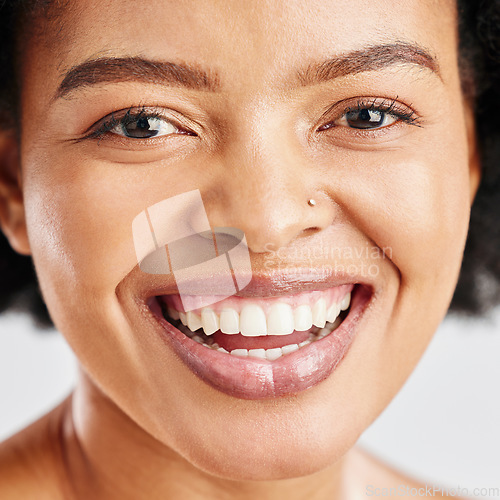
252 378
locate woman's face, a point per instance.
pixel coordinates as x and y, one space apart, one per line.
299 109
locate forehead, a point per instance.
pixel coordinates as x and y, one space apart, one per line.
242 41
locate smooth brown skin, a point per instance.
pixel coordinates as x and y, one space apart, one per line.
140 424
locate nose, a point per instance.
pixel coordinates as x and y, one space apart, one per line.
271 191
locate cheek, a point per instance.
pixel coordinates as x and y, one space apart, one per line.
77 224
417 210
80 218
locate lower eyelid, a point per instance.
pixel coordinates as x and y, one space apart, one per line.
353 137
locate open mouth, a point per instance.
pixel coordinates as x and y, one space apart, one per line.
260 347
263 329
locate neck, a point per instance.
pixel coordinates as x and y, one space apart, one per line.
106 455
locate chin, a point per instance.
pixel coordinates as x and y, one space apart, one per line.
265 459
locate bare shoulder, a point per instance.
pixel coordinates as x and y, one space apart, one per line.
368 476
29 460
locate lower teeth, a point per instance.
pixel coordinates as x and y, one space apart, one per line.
269 354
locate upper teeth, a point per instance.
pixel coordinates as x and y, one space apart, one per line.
252 321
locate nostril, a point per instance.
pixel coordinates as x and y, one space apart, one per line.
311 230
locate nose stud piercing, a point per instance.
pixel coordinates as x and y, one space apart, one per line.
311 202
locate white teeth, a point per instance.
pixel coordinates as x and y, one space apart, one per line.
323 333
193 321
266 354
257 353
269 354
289 348
319 313
302 316
280 320
183 318
253 321
272 354
345 302
332 313
173 313
240 352
210 321
229 321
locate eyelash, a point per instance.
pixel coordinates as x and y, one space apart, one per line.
129 117
388 106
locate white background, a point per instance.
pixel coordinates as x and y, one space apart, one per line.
443 428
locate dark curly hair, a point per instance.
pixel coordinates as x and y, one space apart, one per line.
478 287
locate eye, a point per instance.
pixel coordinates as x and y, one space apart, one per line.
367 119
140 124
373 115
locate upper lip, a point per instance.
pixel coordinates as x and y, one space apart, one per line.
282 283
265 283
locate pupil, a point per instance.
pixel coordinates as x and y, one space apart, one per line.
143 124
365 115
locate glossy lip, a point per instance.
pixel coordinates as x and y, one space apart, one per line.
251 378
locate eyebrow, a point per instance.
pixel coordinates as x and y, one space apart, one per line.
138 69
371 58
